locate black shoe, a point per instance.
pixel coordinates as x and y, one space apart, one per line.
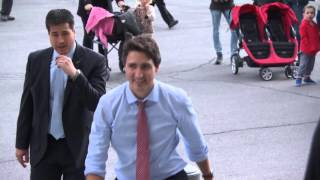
308 80
173 23
11 18
4 18
219 59
7 18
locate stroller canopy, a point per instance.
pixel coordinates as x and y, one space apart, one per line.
287 15
101 22
237 11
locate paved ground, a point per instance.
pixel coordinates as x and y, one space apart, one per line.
255 129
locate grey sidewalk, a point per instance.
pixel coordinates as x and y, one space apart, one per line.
255 129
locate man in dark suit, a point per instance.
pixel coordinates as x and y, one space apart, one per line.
84 8
62 87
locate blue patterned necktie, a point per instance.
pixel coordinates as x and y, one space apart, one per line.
57 95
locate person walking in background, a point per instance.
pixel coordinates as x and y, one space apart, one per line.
218 8
145 16
309 45
165 14
6 10
84 8
142 120
62 87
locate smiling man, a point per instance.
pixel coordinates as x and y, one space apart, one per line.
62 87
142 120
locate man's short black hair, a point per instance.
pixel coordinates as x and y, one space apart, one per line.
59 16
144 44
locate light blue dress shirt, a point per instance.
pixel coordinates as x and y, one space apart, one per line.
169 112
58 82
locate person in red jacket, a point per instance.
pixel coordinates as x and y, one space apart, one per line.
309 45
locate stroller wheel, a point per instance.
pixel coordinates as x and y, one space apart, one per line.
265 73
235 64
291 71
121 66
108 74
288 72
294 70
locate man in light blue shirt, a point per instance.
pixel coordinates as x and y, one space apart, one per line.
169 113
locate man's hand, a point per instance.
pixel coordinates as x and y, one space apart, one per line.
88 7
94 177
205 169
65 63
22 156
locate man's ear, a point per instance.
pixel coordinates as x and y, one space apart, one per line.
157 68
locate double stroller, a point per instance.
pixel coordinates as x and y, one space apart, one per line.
112 30
267 37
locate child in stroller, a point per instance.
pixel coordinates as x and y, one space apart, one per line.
113 29
267 37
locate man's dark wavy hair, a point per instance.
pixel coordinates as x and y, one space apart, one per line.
59 16
144 44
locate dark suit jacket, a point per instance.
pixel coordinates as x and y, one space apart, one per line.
80 100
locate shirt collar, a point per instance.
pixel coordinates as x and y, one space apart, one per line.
70 53
153 96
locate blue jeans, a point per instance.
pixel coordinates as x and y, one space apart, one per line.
216 18
306 65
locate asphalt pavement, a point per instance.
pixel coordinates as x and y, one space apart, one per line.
255 129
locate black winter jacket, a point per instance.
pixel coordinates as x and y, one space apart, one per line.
221 4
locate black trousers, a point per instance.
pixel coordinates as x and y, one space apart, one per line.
165 14
57 162
182 175
6 7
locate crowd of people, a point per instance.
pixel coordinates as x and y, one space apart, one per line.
65 130
67 121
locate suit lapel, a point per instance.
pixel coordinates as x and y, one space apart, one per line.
76 60
45 60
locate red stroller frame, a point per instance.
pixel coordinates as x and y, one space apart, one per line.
267 36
